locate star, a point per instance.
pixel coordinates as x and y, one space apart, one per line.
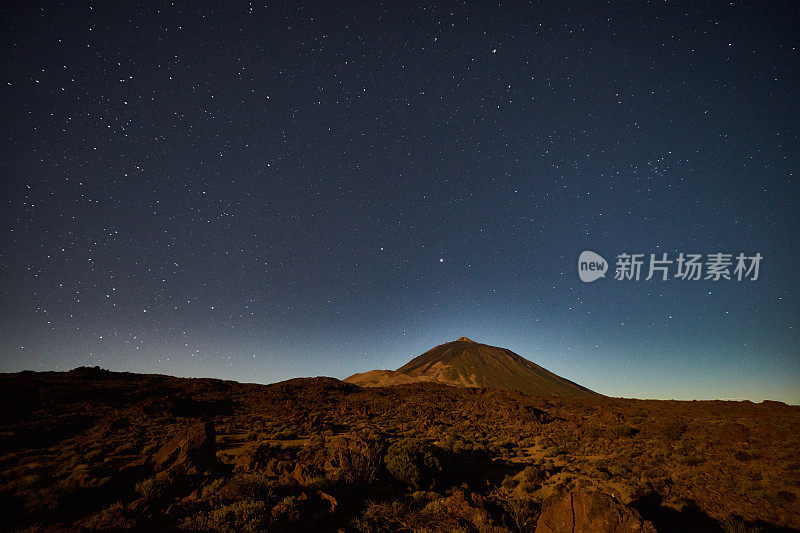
318 161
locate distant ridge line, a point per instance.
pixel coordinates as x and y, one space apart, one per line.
467 363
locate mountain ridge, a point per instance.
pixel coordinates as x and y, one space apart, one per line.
467 363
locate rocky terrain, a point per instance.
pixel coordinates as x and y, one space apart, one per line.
96 450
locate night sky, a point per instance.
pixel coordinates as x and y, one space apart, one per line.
258 192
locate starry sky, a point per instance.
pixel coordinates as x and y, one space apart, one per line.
259 191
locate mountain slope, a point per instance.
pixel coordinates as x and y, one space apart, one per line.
466 363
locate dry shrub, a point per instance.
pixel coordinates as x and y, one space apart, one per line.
354 459
243 516
154 488
413 462
456 513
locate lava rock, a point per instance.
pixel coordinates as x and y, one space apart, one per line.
191 452
582 511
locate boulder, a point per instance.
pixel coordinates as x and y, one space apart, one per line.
191 451
261 459
582 511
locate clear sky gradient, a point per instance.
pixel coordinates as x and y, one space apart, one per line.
258 192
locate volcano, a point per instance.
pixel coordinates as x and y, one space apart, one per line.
466 363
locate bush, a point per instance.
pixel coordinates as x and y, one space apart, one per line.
521 511
316 442
114 518
737 525
250 486
245 515
694 460
288 510
673 430
154 488
532 474
354 459
286 434
454 514
621 430
413 462
385 516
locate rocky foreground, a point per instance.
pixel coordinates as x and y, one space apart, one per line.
96 450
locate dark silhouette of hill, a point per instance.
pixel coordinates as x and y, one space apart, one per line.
466 363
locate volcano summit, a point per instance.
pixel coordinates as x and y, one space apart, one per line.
466 363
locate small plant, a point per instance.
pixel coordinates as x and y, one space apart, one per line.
154 488
245 516
250 486
673 430
621 430
521 511
738 525
286 434
413 463
532 474
113 518
354 459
